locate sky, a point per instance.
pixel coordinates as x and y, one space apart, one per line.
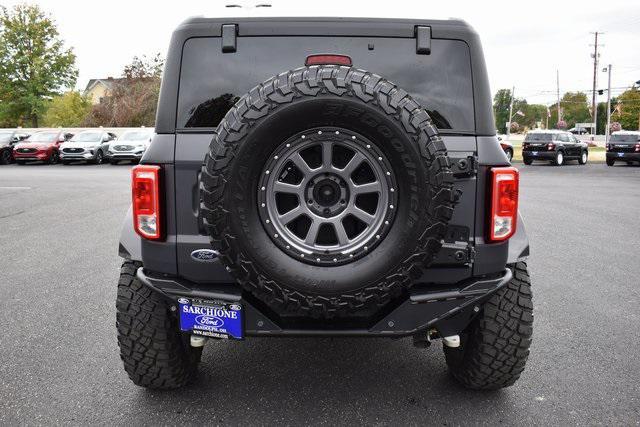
524 42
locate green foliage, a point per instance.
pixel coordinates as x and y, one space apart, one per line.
34 64
575 109
628 113
533 113
501 102
67 110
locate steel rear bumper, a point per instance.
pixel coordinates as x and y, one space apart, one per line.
448 311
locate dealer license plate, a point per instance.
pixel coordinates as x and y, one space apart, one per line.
210 318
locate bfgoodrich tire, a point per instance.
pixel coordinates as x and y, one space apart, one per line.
495 346
336 107
154 352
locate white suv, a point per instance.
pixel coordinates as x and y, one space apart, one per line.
131 145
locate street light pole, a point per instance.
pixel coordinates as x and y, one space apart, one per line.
513 89
608 129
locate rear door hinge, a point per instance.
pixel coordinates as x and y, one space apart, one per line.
465 167
229 36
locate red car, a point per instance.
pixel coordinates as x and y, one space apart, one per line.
41 146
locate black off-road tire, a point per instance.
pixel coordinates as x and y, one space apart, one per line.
155 353
293 102
611 162
495 347
527 161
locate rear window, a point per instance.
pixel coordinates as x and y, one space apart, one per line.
625 138
538 137
211 82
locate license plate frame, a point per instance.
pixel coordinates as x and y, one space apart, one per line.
211 318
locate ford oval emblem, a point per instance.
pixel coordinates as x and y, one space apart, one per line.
182 300
212 321
204 255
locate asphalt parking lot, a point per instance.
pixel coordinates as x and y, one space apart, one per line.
59 228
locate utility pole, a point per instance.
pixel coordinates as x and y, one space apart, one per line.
513 89
607 130
594 107
558 91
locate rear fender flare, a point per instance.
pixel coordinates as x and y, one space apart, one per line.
130 246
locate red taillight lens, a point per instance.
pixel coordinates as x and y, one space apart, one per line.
328 60
637 147
551 147
505 182
145 188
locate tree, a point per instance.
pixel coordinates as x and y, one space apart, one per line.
67 110
501 102
34 64
141 68
627 109
133 99
574 107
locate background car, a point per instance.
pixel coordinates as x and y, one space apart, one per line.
553 146
130 146
579 131
507 147
42 146
8 138
89 145
623 146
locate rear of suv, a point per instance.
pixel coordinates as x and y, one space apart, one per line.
623 146
554 146
324 177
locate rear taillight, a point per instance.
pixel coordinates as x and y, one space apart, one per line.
504 203
637 147
608 147
145 188
551 147
325 59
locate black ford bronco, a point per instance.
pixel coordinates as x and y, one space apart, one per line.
324 177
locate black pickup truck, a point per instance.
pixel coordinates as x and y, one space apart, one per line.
324 177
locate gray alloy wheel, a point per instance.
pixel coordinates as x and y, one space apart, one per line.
326 194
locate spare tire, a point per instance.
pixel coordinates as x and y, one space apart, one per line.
325 189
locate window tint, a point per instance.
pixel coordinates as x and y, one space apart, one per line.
625 138
538 137
211 82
